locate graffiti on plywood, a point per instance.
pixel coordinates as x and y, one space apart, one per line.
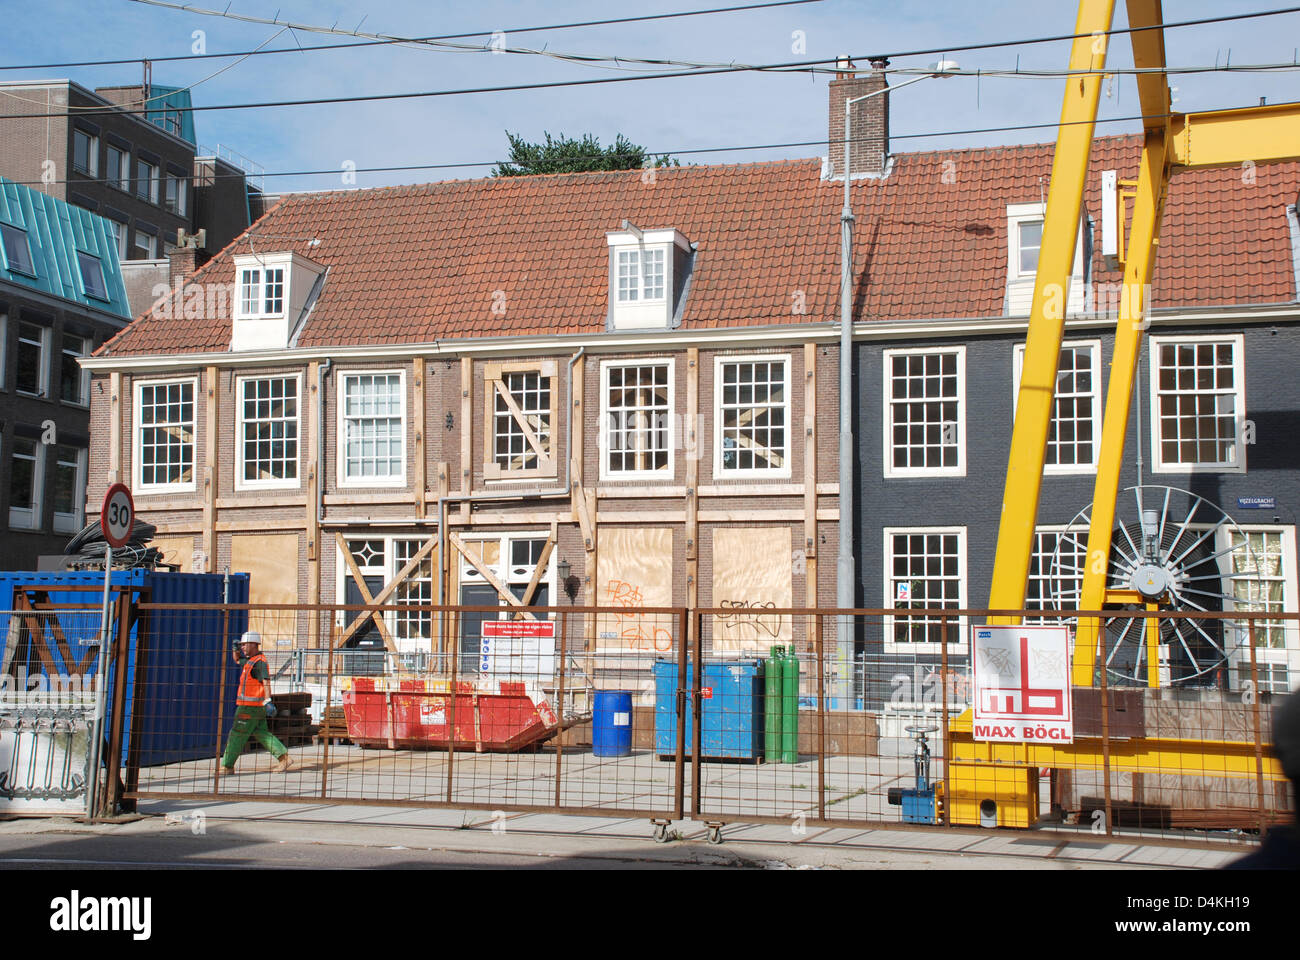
752 574
635 571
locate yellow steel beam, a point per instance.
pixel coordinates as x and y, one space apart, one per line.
1227 138
1148 207
1149 54
1047 315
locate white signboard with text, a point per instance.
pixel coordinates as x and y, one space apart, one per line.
518 649
1022 684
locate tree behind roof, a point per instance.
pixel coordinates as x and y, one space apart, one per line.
566 155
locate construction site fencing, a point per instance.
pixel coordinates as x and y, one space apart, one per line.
792 716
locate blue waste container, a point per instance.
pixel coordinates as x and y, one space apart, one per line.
611 726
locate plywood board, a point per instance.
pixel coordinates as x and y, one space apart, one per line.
634 568
177 550
271 561
751 573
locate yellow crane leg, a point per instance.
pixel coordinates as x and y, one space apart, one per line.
1148 207
1047 316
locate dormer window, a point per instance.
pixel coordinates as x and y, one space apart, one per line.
273 297
648 274
18 255
261 292
1030 241
640 275
1025 244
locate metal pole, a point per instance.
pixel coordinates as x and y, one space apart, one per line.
92 784
845 575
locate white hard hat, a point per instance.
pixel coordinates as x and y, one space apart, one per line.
251 636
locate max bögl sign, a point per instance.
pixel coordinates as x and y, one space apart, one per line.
1022 684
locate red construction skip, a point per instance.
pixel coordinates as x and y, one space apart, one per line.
418 713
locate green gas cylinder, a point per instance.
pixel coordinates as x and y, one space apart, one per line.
790 707
772 706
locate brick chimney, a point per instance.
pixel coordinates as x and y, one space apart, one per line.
186 258
869 123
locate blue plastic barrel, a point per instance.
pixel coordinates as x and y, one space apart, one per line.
611 725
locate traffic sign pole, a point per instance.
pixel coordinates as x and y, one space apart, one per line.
116 522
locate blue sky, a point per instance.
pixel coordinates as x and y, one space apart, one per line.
663 115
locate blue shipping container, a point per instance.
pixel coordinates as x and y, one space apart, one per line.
174 716
731 713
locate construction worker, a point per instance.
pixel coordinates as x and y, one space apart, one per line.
252 704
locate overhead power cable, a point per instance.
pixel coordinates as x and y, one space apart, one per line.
467 164
388 41
380 40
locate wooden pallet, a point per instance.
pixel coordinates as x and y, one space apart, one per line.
333 726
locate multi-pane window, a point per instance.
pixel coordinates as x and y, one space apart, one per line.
31 371
640 275
1055 571
924 397
268 437
146 180
924 569
1030 241
74 382
521 415
1197 392
753 412
166 438
1074 439
25 484
1259 575
373 434
69 488
637 419
416 589
174 199
117 168
261 292
18 255
85 152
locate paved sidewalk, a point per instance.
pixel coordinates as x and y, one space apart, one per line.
599 841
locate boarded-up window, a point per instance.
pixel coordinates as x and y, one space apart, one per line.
635 569
752 570
271 561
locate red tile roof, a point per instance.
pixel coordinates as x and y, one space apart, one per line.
423 263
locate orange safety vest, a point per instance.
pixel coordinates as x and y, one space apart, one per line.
252 692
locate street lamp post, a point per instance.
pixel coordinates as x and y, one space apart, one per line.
845 571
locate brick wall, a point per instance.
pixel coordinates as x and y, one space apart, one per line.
869 121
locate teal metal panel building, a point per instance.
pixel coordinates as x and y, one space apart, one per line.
70 252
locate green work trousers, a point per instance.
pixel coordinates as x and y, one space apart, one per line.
250 722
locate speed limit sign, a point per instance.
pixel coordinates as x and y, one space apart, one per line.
117 518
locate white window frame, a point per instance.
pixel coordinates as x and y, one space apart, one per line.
84 374
136 437
258 286
719 470
150 248
342 431
1289 653
29 518
43 365
241 452
4 351
92 170
668 471
1159 464
1017 366
72 522
1044 575
152 179
178 206
119 230
888 421
956 625
640 284
123 181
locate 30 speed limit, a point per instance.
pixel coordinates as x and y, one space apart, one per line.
117 518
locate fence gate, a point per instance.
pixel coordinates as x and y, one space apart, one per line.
48 686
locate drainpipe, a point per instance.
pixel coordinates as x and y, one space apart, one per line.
321 373
845 577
